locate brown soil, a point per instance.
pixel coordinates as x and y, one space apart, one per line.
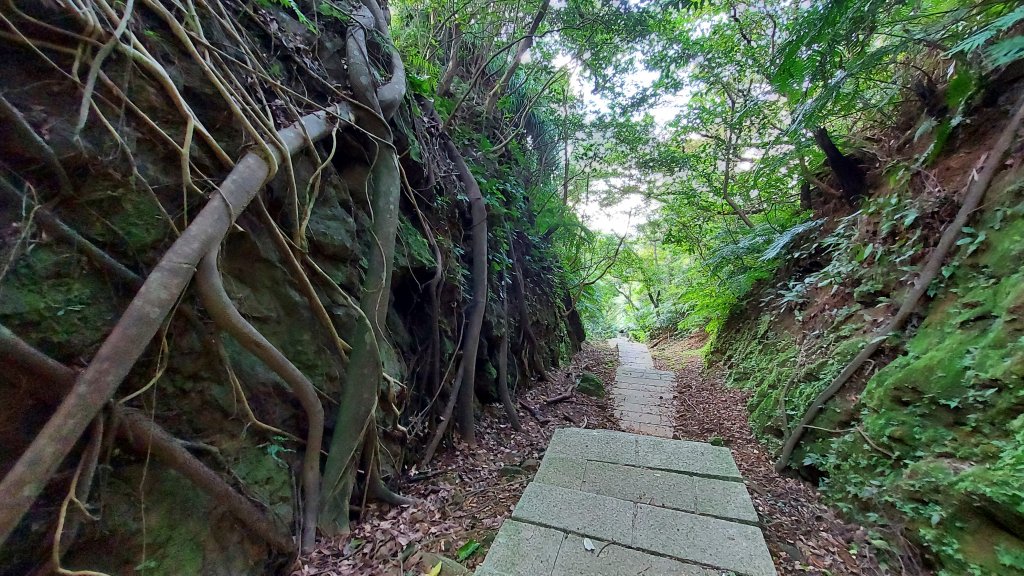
466 492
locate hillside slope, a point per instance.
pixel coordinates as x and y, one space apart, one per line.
927 441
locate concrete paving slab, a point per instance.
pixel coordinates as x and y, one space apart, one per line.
645 417
641 380
654 430
640 404
603 445
568 510
561 471
724 499
643 520
649 374
647 396
521 549
689 457
609 559
665 489
628 387
703 540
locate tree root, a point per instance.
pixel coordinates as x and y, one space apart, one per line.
140 322
375 486
530 351
236 386
81 486
503 391
144 436
929 271
535 413
227 317
446 417
31 141
305 286
363 375
58 229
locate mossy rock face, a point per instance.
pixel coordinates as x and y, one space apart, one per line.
590 385
53 298
946 448
185 532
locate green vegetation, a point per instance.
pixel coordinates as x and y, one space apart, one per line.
777 174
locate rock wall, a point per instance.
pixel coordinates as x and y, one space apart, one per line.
126 191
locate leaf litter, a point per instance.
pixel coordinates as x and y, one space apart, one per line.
466 493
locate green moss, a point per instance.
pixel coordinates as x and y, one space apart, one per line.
172 515
265 473
590 385
413 248
948 407
124 217
54 299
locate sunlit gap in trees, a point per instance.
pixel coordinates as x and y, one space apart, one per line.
607 205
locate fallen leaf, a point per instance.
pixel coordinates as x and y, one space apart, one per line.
468 549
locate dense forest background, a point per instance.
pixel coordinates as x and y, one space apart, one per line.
259 254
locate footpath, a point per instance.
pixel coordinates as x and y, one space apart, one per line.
610 503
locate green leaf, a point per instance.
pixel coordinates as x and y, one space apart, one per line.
1005 51
960 88
467 550
925 128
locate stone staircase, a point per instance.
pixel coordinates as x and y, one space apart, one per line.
608 503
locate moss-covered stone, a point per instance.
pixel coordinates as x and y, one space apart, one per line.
55 299
591 385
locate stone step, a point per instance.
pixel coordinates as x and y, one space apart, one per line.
609 503
706 496
696 458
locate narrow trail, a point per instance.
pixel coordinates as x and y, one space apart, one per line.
642 396
804 535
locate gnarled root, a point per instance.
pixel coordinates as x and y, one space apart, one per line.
227 317
140 322
143 435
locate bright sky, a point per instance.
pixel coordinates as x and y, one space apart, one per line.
633 210
619 219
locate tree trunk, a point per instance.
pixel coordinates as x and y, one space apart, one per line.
851 177
474 324
444 86
573 323
729 143
524 47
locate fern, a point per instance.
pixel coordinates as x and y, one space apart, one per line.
775 249
1001 53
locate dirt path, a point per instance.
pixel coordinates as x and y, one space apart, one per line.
804 535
